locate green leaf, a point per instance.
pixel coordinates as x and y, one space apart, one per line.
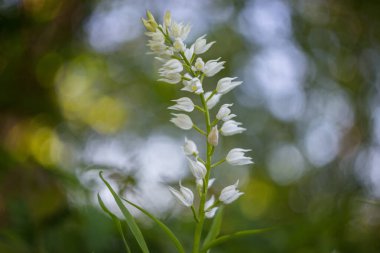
116 221
128 218
225 238
215 227
171 235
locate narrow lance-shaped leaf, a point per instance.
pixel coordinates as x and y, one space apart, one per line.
215 227
116 221
162 225
225 238
128 218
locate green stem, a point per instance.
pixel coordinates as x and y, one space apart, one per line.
187 63
201 160
212 94
195 214
218 163
199 108
214 122
199 130
201 212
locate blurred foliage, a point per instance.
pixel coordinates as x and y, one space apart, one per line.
58 90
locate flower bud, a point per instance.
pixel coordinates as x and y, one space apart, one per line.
194 85
182 121
171 66
199 182
148 25
230 193
167 19
178 45
212 101
231 127
190 148
179 30
152 22
210 213
226 84
224 113
172 78
197 168
213 136
189 52
185 195
200 45
149 15
236 157
212 67
183 104
199 64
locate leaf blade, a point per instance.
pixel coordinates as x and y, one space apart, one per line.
238 234
128 217
165 228
215 227
116 221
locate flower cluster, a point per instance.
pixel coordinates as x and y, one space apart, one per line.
182 64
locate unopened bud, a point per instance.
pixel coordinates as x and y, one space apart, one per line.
148 25
151 23
150 16
213 136
167 19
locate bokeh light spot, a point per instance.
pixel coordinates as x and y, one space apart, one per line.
286 164
257 198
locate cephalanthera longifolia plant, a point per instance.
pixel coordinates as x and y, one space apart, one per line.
182 64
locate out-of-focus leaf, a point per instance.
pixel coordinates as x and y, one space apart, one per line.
215 227
226 238
128 218
162 226
116 221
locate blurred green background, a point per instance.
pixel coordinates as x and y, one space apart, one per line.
78 94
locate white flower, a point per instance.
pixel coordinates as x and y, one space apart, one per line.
183 104
212 67
213 101
190 148
179 30
170 71
225 85
231 127
156 36
185 195
200 45
178 45
236 157
199 182
197 168
189 52
170 67
230 193
172 78
182 121
213 136
167 19
194 85
199 64
210 213
157 42
224 113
